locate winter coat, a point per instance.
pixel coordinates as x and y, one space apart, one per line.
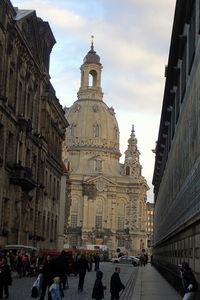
82 265
115 284
5 275
98 289
48 272
61 264
55 291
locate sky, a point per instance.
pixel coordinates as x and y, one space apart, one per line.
132 37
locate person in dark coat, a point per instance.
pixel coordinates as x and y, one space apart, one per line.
62 268
48 272
98 289
82 269
5 277
96 262
115 284
189 282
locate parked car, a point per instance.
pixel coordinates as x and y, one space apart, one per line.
127 260
136 260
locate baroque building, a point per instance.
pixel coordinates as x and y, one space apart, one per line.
176 176
32 128
108 199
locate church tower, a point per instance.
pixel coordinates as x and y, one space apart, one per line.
91 76
132 165
106 204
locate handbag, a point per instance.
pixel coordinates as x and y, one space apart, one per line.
34 292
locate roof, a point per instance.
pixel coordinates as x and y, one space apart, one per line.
22 13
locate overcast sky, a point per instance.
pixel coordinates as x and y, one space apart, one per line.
132 38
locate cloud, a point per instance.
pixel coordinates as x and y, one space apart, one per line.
132 38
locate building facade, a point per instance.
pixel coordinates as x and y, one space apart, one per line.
32 128
108 199
177 166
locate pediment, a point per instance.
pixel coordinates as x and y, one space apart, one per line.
101 182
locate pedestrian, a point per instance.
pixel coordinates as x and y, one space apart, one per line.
48 272
90 261
5 277
55 289
96 261
19 265
115 284
98 289
189 282
62 269
82 269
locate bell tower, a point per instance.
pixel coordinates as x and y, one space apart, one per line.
132 165
91 76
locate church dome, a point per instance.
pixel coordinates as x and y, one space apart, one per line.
92 57
92 125
92 138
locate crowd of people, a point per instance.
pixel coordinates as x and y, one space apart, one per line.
52 274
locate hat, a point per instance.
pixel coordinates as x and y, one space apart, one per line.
56 279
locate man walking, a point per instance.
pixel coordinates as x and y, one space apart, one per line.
82 268
116 285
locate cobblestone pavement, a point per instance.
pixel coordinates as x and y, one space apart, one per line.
21 288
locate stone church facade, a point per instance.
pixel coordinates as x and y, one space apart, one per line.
108 199
32 127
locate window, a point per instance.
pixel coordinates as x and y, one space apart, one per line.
11 89
73 128
99 207
120 223
98 223
98 165
121 215
183 75
74 220
2 143
93 78
74 207
192 37
73 241
10 151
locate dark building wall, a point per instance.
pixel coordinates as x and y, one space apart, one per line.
176 177
32 127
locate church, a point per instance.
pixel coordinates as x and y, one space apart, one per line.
107 198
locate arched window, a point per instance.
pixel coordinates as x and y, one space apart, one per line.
93 78
99 212
121 215
74 207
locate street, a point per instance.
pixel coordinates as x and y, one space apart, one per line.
21 288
